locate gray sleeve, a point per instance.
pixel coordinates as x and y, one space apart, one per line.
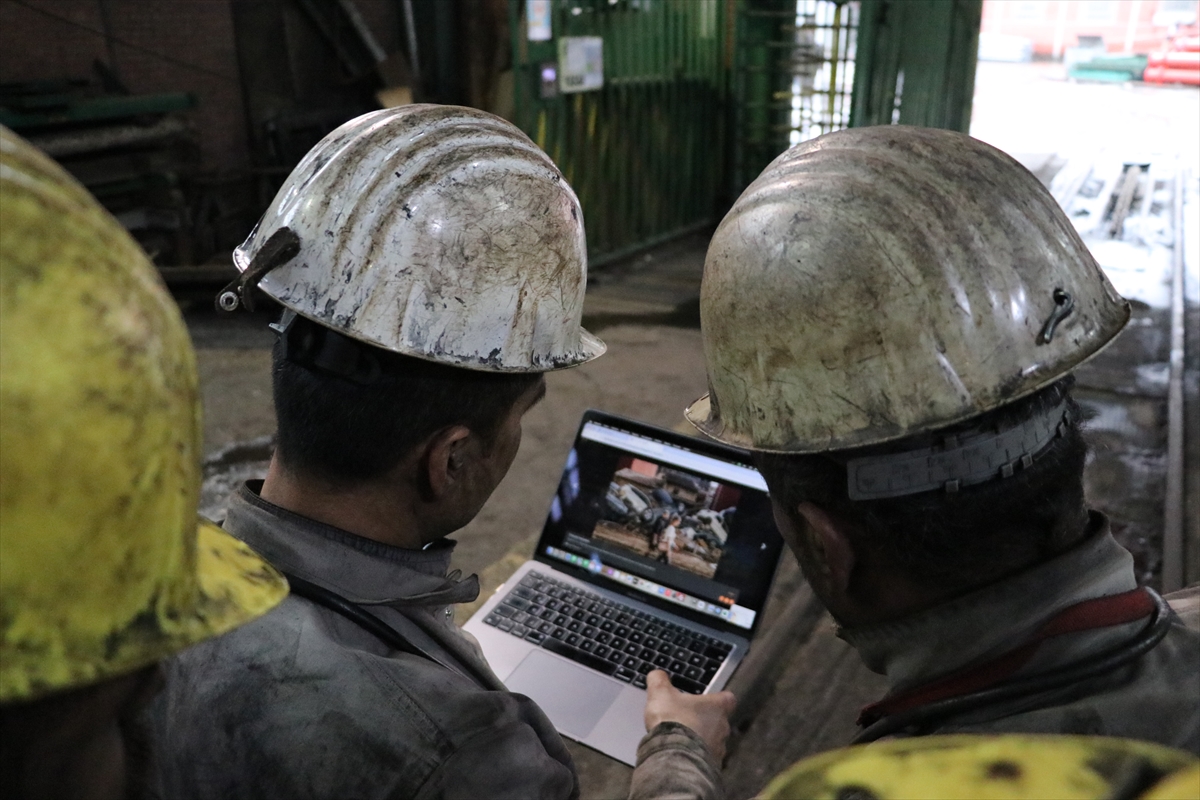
673 763
269 712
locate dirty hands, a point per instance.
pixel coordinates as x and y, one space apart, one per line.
706 714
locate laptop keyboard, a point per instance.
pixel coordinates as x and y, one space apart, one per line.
606 635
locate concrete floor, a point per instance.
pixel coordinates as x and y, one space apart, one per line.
1033 108
647 311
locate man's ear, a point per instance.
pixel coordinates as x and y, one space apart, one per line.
834 546
445 455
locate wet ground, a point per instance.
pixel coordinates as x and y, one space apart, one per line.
1124 390
811 685
1080 139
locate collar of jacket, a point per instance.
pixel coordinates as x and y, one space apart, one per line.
988 622
362 570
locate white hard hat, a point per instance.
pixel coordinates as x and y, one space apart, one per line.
876 283
437 232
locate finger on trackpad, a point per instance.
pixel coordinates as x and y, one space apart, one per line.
573 697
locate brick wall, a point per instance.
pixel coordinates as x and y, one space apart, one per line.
171 45
1054 25
154 45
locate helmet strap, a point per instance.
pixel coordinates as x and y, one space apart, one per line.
961 460
315 347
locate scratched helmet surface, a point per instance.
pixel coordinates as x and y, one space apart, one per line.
875 283
437 232
104 567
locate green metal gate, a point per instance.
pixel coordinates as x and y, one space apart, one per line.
698 96
916 65
793 69
646 152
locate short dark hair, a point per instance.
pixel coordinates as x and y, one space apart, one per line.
956 540
347 432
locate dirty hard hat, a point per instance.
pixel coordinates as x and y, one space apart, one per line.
104 567
437 232
876 283
1016 767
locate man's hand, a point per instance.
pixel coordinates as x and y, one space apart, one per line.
706 714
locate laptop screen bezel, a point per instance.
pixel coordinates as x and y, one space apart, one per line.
693 444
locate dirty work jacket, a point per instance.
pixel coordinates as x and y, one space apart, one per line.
1155 698
303 703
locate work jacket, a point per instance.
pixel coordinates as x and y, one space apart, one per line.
1074 613
1018 632
304 703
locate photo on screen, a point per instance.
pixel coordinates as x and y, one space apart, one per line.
667 515
681 525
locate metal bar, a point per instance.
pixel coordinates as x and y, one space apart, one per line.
1173 512
769 14
410 31
109 41
316 13
1129 182
94 138
111 107
363 30
833 62
521 73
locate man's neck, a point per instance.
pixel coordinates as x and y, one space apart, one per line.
375 511
996 617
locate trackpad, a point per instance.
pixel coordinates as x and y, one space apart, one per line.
574 698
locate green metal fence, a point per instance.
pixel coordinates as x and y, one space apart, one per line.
793 70
698 96
916 64
646 152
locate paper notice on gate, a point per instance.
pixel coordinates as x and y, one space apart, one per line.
537 18
580 63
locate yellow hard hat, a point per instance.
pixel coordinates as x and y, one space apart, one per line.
1005 767
1181 785
877 283
103 566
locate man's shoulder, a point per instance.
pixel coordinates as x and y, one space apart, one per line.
281 696
300 654
1163 693
299 663
1157 698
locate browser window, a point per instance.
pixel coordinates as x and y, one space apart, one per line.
690 530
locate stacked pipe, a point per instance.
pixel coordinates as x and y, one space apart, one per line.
1178 63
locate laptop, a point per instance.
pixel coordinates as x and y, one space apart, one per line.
658 552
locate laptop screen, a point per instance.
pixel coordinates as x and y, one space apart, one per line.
662 517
